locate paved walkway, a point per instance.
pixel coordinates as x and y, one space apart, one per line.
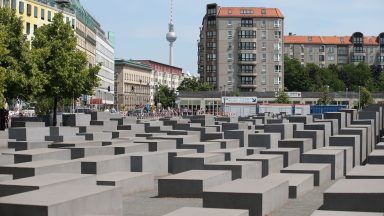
146 204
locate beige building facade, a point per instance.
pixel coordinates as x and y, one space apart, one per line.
133 84
241 48
337 50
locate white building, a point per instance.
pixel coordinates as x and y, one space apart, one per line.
105 58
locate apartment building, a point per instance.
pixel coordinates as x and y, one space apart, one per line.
338 50
163 74
35 14
132 81
241 48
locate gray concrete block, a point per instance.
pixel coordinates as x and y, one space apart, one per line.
195 161
41 154
348 140
227 143
326 127
361 132
25 145
189 211
370 136
22 185
77 200
321 172
369 171
260 197
355 195
158 145
239 169
270 163
300 119
344 213
5 177
28 134
128 182
180 139
241 135
334 157
348 156
231 154
254 150
285 129
201 147
191 184
317 137
290 155
334 125
265 140
376 157
151 162
299 184
23 170
126 148
303 144
174 153
212 136
76 120
340 116
102 164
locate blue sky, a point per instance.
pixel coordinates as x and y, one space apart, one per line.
141 25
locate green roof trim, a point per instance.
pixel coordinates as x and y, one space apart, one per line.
133 64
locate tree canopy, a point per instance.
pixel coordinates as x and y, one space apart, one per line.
63 68
194 85
282 98
311 77
166 96
365 98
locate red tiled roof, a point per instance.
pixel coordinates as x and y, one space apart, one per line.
250 12
336 40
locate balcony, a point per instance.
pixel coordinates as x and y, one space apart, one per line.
253 62
248 85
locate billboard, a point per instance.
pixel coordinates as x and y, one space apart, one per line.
239 100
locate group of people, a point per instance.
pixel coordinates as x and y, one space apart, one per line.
4 116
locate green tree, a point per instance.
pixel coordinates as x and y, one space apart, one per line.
365 97
194 85
326 97
63 67
165 96
358 75
20 79
282 98
295 76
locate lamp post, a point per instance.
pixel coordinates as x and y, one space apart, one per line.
346 96
359 98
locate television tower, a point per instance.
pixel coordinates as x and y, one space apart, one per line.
171 36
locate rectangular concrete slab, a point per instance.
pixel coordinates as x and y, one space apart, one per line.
190 211
239 169
195 161
260 196
191 184
344 213
299 184
368 171
290 155
320 172
270 163
355 195
334 157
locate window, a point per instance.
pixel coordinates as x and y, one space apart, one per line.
67 20
277 34
277 68
28 28
229 11
211 34
211 69
42 14
73 23
263 23
229 45
322 48
247 80
247 45
264 46
230 35
358 49
246 11
277 57
331 58
211 11
310 49
263 11
247 57
49 16
264 35
229 56
29 10
321 58
264 57
211 57
357 40
246 68
34 28
35 12
229 22
247 22
263 80
211 45
331 50
6 3
247 34
277 23
263 69
358 58
380 58
310 58
277 46
211 22
13 4
276 80
21 7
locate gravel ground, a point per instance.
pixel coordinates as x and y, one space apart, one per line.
146 204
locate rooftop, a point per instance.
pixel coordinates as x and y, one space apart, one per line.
255 12
332 40
132 63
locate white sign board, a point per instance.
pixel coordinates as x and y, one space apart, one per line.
240 100
290 94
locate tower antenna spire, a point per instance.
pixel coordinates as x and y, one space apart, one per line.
171 35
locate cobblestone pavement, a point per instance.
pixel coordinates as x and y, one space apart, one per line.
146 204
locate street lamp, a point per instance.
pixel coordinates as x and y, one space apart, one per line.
346 96
225 95
359 98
